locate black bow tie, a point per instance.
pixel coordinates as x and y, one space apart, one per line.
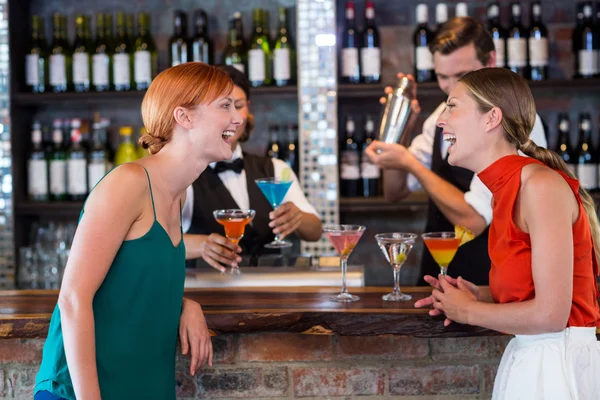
236 166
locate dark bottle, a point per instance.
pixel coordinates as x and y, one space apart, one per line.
98 155
538 45
259 53
587 166
202 46
291 154
76 165
37 167
36 60
350 162
122 57
60 57
234 53
370 53
274 149
101 60
586 44
82 50
178 44
369 172
58 164
145 60
563 144
441 15
424 71
284 54
516 47
498 33
350 67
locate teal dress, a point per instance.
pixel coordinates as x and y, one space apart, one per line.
136 316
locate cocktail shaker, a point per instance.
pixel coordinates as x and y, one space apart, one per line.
396 113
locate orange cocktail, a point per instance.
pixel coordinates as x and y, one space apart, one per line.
234 222
443 247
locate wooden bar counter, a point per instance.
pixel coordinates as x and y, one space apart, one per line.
288 343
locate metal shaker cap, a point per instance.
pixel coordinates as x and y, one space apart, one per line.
404 88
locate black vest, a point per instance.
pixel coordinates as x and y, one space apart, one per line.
472 261
211 194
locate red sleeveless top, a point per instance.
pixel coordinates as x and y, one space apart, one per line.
511 278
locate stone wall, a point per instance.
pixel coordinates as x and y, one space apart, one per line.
289 366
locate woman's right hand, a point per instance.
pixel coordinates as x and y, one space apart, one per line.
217 250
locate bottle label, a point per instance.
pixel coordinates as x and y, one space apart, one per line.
370 58
81 68
350 166
96 170
517 52
538 52
499 45
424 58
31 69
38 178
58 70
563 126
588 62
587 175
142 67
368 170
370 13
58 177
100 69
350 62
240 67
256 65
121 69
281 63
77 171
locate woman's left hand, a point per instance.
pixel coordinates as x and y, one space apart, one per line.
454 302
193 333
285 219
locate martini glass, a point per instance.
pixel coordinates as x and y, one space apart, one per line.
344 238
234 221
275 190
442 246
395 247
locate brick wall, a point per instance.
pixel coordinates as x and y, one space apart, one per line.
289 366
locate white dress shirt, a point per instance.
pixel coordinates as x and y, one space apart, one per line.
237 186
479 196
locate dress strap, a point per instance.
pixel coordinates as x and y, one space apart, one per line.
151 195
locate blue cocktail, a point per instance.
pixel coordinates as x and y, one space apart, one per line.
275 190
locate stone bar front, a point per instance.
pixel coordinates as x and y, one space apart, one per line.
288 343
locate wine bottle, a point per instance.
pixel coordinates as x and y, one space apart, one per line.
350 67
234 54
101 64
202 46
36 60
538 44
498 33
122 57
37 167
178 44
517 43
81 57
563 144
370 52
369 172
586 44
349 162
259 54
145 58
60 57
587 167
424 71
284 54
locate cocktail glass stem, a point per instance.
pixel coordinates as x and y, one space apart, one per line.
344 265
444 269
397 281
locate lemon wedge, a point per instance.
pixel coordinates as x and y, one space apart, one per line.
400 258
465 235
286 174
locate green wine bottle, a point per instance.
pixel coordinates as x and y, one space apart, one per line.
60 57
81 57
233 54
284 55
145 56
122 57
259 54
36 60
101 59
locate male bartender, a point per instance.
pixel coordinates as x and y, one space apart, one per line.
456 195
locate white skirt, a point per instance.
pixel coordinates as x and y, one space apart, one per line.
561 366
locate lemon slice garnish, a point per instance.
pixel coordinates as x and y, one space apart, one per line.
400 258
286 174
465 235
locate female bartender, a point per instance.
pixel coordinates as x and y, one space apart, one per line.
230 184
